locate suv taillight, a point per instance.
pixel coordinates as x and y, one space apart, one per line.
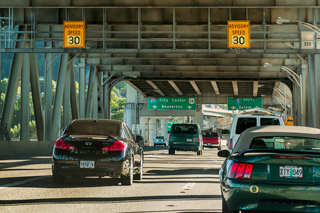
241 170
60 144
116 146
169 138
230 143
198 139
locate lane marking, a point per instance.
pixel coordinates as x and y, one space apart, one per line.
23 182
188 186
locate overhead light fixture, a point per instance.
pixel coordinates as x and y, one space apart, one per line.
280 20
265 65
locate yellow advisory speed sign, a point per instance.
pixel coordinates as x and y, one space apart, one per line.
238 34
74 34
289 121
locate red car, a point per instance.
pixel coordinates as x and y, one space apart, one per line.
211 139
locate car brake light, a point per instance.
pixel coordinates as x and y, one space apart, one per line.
198 139
233 170
169 138
116 146
230 143
60 144
241 170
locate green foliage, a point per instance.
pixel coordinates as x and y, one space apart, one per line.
15 131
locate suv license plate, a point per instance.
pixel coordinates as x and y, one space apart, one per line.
290 172
189 140
87 164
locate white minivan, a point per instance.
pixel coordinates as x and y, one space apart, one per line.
243 122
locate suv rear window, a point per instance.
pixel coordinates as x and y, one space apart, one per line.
184 129
210 135
269 121
245 123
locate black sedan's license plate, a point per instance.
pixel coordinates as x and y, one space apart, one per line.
87 164
291 171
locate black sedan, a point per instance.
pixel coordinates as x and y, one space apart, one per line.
97 147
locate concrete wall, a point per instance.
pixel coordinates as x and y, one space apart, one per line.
19 148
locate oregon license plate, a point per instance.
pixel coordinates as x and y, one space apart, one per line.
189 140
290 172
87 164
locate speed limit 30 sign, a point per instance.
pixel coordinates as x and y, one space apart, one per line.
238 34
74 34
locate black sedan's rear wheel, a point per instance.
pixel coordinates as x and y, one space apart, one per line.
128 179
58 178
139 175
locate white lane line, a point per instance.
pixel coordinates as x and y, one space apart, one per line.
188 186
23 182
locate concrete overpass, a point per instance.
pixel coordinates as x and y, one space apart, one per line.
161 48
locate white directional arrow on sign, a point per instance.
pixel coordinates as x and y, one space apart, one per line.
189 107
154 107
233 107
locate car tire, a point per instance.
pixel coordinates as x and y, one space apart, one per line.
219 147
199 152
225 207
171 151
154 145
58 178
128 179
139 175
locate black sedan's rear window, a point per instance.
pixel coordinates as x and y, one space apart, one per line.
99 128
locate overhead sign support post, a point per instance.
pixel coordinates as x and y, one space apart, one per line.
238 34
73 34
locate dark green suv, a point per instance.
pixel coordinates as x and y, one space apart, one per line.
185 137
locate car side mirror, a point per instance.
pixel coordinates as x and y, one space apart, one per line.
168 131
223 153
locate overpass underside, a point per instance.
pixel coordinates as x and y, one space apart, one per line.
161 48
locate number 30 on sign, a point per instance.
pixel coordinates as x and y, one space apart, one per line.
74 34
239 34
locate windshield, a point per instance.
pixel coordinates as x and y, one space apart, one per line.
160 137
292 143
99 128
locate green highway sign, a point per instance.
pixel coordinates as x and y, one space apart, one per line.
244 103
168 103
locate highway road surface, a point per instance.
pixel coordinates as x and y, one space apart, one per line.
184 182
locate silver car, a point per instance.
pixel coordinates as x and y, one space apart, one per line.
159 140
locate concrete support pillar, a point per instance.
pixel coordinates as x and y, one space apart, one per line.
129 115
152 129
66 98
25 89
144 127
36 96
82 88
295 104
164 128
317 87
59 95
48 93
312 88
12 88
198 116
106 95
74 101
304 80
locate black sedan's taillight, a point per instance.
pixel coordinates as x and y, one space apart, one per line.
116 146
61 144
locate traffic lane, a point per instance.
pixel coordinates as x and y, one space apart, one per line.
182 182
23 168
